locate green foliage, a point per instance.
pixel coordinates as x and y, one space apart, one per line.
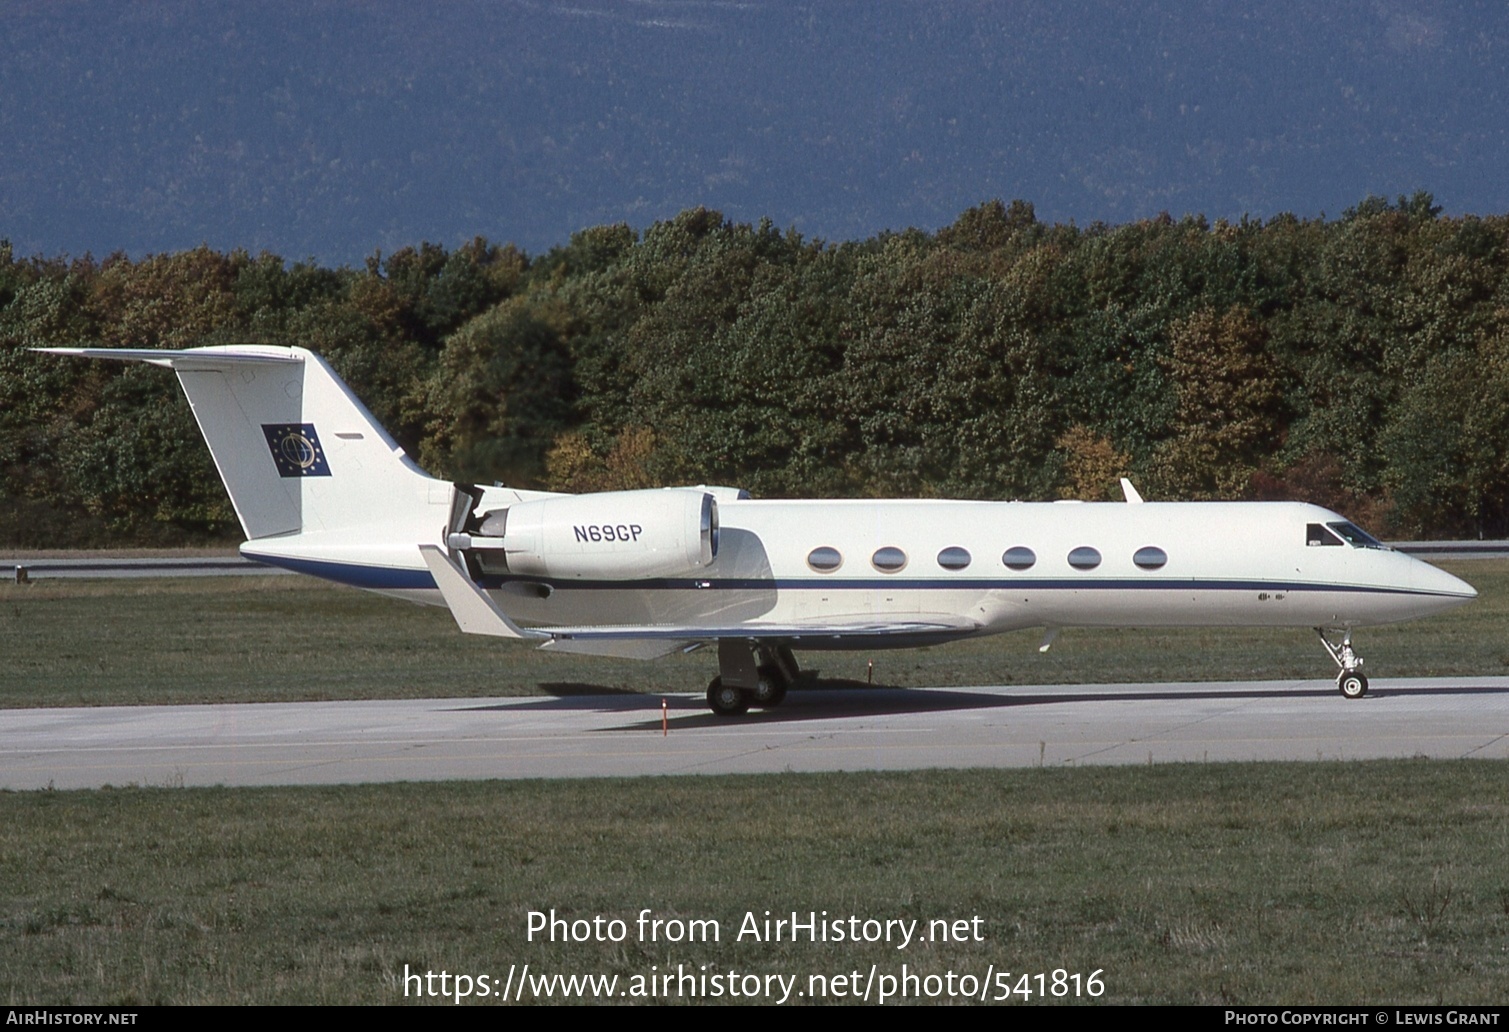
500 396
1448 437
1227 395
137 463
1358 362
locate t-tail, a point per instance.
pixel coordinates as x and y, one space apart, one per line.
318 485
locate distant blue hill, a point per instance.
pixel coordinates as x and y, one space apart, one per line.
332 130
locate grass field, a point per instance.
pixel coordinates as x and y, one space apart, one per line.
1208 883
223 639
1217 884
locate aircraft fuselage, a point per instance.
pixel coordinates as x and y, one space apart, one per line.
1008 565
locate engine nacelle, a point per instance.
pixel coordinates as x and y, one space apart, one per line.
613 535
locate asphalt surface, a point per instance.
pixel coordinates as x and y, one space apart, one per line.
824 729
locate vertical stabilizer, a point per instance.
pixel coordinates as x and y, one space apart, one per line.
298 453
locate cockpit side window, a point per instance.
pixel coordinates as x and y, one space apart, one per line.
1356 536
1316 534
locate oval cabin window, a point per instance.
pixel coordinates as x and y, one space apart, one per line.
1019 558
1150 558
953 558
824 559
888 559
1084 558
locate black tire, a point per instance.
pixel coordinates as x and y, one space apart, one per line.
771 691
726 702
1352 685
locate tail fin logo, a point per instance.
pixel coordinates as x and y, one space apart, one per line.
296 449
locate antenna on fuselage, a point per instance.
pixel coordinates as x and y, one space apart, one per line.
1133 498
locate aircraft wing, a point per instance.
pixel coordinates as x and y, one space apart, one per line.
649 641
476 613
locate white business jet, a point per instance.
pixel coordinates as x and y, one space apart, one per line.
321 489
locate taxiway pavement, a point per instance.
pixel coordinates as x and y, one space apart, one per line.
822 729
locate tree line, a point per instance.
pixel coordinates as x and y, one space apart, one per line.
1360 362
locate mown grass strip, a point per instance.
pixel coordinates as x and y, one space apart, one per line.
1251 883
238 639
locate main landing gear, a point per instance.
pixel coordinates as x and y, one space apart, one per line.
750 675
1351 682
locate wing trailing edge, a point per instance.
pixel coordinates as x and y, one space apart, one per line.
475 612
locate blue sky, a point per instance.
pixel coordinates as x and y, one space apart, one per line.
334 129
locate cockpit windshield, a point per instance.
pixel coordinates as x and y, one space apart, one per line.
1357 537
1317 536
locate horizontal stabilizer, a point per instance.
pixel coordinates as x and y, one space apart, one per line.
196 358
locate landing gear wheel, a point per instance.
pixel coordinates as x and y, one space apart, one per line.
771 691
726 702
1350 682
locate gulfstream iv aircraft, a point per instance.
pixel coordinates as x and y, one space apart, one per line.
321 489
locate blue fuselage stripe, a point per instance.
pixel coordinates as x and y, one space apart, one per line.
394 578
357 575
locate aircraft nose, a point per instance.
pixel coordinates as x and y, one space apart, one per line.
1450 589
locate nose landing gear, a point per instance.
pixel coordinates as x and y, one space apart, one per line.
1351 682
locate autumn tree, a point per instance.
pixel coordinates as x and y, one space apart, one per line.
1227 393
